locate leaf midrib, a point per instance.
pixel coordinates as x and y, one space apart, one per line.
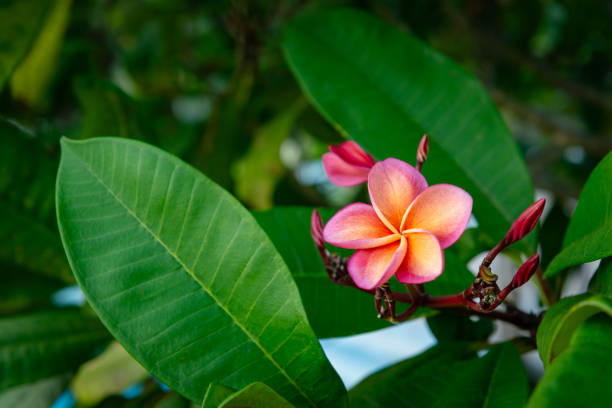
191 273
392 101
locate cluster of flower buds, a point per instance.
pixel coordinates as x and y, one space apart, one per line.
485 286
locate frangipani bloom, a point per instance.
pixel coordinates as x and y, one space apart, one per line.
347 164
405 229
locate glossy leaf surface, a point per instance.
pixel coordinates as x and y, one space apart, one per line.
563 318
578 377
384 89
183 276
589 234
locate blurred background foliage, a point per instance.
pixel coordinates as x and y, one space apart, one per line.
207 82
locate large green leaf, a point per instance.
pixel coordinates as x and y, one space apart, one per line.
45 344
325 302
183 276
108 374
384 89
444 377
589 234
563 318
579 377
39 394
21 22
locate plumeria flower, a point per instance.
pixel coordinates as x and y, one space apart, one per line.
405 229
347 164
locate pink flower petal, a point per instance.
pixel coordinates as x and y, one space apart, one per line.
352 153
357 226
393 185
370 268
442 209
424 260
343 173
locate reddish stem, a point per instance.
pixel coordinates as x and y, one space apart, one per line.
444 301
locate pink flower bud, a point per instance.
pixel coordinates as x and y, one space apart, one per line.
316 230
525 223
423 150
526 271
347 164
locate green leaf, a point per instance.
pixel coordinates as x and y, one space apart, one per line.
39 394
446 376
601 282
385 89
578 377
32 77
325 302
256 395
108 374
563 318
183 276
21 22
589 234
45 344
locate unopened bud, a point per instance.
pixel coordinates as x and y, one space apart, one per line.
316 230
525 223
423 150
526 271
347 164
